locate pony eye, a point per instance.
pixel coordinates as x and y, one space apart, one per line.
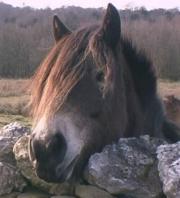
100 76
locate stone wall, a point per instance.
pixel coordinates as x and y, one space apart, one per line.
133 168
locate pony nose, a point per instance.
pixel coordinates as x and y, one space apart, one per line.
51 150
57 147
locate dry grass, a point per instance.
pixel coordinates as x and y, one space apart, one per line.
17 105
11 87
14 99
14 96
169 88
8 118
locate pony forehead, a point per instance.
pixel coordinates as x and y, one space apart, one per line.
63 67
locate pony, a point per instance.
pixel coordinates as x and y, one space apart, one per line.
93 88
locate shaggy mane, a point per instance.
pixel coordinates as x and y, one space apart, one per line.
56 77
63 68
142 71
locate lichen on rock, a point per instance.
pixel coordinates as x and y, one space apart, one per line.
128 167
169 169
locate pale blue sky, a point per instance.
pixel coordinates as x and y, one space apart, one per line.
121 4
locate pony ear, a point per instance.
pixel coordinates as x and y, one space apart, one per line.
111 26
59 29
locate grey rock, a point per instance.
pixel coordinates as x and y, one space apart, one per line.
22 158
6 147
86 191
62 189
33 195
11 195
169 169
10 179
9 134
14 130
62 197
129 168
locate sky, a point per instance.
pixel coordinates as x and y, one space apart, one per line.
120 4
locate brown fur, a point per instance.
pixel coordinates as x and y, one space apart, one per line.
55 77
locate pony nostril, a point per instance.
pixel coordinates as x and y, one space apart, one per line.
51 149
57 147
38 150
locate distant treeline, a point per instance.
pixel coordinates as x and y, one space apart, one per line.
26 36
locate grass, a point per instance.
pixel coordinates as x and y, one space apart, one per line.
8 118
169 88
11 87
14 104
14 99
14 96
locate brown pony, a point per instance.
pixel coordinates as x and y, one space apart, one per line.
93 88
